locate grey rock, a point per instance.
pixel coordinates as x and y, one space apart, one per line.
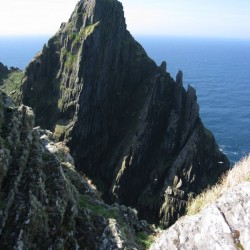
179 77
112 237
163 66
222 225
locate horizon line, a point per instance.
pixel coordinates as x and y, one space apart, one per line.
141 35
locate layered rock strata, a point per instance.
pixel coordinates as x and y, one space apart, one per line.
44 202
130 127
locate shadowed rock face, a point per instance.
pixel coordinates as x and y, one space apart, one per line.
129 125
44 202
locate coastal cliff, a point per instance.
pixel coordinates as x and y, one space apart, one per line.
129 125
45 203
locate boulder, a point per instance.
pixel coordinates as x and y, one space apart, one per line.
222 225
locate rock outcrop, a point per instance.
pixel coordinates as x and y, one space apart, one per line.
222 225
44 202
3 69
130 127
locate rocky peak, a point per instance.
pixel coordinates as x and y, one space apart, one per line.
179 77
3 69
128 124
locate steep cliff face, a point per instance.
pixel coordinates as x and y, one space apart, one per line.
129 125
44 202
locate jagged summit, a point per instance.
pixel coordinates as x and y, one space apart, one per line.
130 127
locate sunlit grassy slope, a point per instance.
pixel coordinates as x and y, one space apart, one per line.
238 174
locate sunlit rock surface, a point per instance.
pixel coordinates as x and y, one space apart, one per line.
222 225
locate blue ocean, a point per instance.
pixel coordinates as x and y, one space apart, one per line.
19 51
219 69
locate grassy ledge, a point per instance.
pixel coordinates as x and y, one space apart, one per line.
145 240
238 174
11 83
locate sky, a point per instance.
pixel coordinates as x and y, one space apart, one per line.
200 18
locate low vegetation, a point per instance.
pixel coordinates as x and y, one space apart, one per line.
97 208
71 59
238 174
145 240
69 56
11 83
142 239
59 131
83 33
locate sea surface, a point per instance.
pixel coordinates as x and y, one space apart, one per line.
18 51
219 69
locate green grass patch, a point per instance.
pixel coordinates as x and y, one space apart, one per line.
73 35
11 83
86 202
70 60
86 31
64 92
83 33
143 239
64 52
238 174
